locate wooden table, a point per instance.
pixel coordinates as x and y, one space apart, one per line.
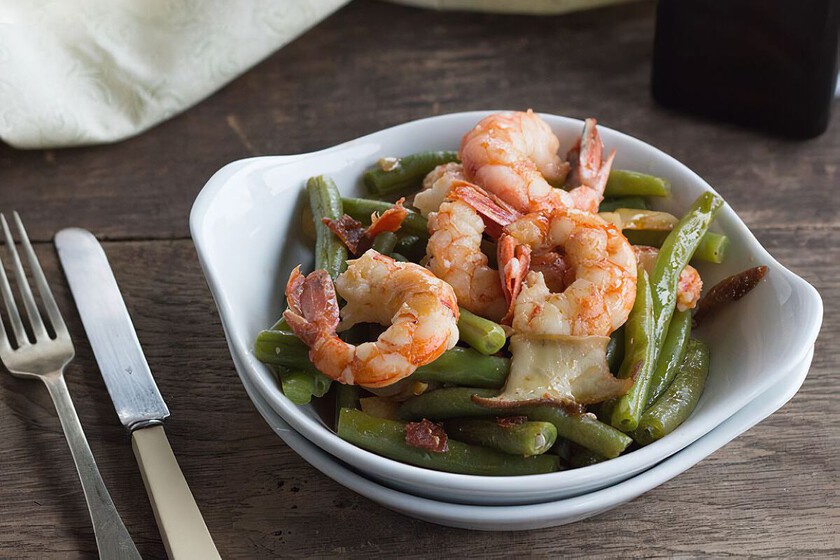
771 492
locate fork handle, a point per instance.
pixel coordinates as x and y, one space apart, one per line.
184 532
112 538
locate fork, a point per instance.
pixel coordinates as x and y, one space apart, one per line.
44 357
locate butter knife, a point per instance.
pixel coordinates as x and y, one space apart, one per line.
138 402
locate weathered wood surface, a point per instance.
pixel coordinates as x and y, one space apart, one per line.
772 492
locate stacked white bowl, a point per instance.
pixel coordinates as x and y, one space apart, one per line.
245 224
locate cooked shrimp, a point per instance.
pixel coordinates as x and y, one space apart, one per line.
455 256
422 312
514 156
437 186
689 284
600 265
589 174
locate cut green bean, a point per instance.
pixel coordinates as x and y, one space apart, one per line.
347 396
676 251
585 458
456 366
482 334
631 183
413 247
671 355
325 202
713 246
443 404
385 242
525 438
639 358
300 386
613 204
399 257
394 175
583 429
361 209
388 438
615 349
679 400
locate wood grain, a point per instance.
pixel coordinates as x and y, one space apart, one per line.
772 492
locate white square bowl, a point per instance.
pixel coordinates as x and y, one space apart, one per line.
245 224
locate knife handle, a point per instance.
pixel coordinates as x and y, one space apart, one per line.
179 520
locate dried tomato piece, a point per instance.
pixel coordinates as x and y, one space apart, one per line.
351 232
728 290
390 220
427 435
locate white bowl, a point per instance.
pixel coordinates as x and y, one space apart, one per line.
245 227
546 514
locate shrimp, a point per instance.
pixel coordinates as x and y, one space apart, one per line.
455 256
436 187
514 156
599 267
422 312
689 284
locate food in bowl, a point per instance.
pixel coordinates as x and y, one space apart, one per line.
501 368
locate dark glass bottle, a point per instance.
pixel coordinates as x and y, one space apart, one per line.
770 64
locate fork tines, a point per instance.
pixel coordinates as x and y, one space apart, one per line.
36 323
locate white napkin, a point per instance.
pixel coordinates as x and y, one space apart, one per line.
76 72
89 71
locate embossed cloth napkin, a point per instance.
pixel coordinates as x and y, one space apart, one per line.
76 72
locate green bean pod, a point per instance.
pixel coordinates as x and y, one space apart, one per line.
300 386
615 349
325 202
388 438
525 439
482 334
671 355
456 366
639 358
361 209
613 204
583 429
631 183
405 173
385 242
674 254
713 246
679 400
584 458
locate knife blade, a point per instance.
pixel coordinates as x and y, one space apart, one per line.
133 390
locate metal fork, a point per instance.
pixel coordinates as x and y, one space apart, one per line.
44 357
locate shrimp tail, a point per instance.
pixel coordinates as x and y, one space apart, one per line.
495 212
313 305
514 263
390 220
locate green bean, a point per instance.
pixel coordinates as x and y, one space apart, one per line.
394 175
325 202
584 458
613 204
300 386
412 246
525 438
713 246
361 209
671 355
443 404
385 242
679 400
674 254
631 183
455 402
347 396
639 358
457 366
583 429
388 438
399 257
482 334
615 349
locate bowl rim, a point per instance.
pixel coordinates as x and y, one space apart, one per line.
328 440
